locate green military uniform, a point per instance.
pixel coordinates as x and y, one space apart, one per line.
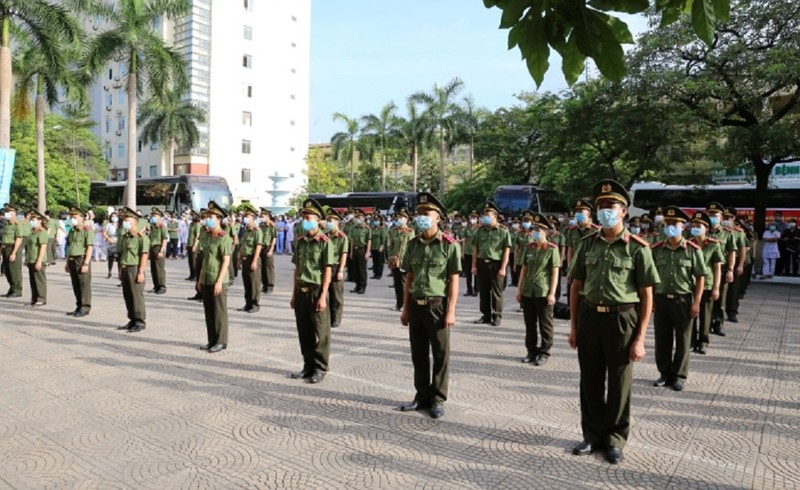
728 245
158 237
132 248
340 245
13 236
36 253
742 250
379 236
680 268
250 252
313 259
202 238
539 258
399 237
52 253
468 244
360 237
519 238
557 237
490 244
712 255
234 228
432 267
610 274
80 242
217 246
172 233
269 234
195 228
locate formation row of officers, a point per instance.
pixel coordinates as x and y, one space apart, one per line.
616 280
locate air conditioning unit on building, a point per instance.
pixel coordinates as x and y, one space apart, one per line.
116 78
108 107
105 87
119 133
119 112
117 85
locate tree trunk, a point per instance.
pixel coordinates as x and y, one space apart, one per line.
131 154
414 164
441 164
40 172
383 170
171 157
762 170
5 84
471 154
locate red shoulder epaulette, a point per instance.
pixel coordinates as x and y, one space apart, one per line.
596 226
641 241
340 234
449 237
712 240
322 237
552 245
692 244
531 245
657 244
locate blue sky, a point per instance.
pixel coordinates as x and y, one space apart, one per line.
365 53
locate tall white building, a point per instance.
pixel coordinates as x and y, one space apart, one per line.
248 63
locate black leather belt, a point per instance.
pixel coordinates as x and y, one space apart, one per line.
434 300
610 308
675 296
304 288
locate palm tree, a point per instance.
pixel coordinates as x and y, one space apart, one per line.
151 63
380 128
171 122
343 144
48 26
414 134
471 119
443 112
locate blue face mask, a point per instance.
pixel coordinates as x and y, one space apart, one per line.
33 224
714 220
423 222
572 222
772 228
309 225
487 220
153 220
114 219
329 226
608 218
247 220
697 231
376 223
526 225
210 223
126 225
580 218
73 222
537 236
357 221
672 231
635 230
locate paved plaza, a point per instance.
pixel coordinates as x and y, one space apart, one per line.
87 406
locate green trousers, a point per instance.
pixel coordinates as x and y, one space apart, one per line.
133 293
313 328
336 301
13 270
157 268
267 272
216 311
38 281
538 320
673 327
490 288
429 337
81 282
251 281
701 326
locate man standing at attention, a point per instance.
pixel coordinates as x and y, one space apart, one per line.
133 249
340 245
360 245
250 251
613 273
492 246
158 249
432 263
12 252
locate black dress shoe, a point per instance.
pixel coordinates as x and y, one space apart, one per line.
482 320
583 449
334 325
205 347
720 332
244 308
361 291
678 384
541 360
733 318
74 312
355 290
411 406
263 290
136 328
316 377
495 322
14 295
196 297
528 359
614 455
126 326
81 313
468 293
161 291
437 410
253 309
216 348
474 293
662 381
305 373
702 348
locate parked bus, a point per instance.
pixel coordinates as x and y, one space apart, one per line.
177 193
383 202
512 200
648 196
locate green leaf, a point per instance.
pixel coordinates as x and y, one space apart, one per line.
490 3
574 62
722 9
627 6
512 12
535 48
670 15
620 29
513 35
704 19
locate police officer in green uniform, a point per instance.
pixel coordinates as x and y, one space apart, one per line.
80 242
360 246
380 235
467 245
269 233
250 251
678 298
36 253
133 247
432 263
52 230
742 252
191 245
214 276
712 255
158 249
234 226
556 235
11 244
489 262
313 259
340 245
538 280
728 246
614 273
573 235
173 229
399 237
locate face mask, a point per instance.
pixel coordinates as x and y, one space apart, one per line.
537 236
329 226
714 221
357 221
376 223
772 228
792 225
526 225
126 225
247 220
309 225
659 219
572 222
672 231
473 221
114 219
607 218
697 231
515 226
561 219
645 227
73 222
580 218
7 216
210 223
153 220
635 230
487 220
401 221
34 223
424 222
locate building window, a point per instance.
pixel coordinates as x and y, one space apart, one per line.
139 145
108 125
248 33
154 146
109 100
248 91
123 69
122 97
121 123
138 172
121 150
246 147
110 74
107 153
247 61
153 171
247 118
294 18
248 5
245 176
291 123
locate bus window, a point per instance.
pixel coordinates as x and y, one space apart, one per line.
550 204
514 202
156 194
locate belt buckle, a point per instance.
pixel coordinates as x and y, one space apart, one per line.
671 296
603 309
422 302
488 261
304 289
